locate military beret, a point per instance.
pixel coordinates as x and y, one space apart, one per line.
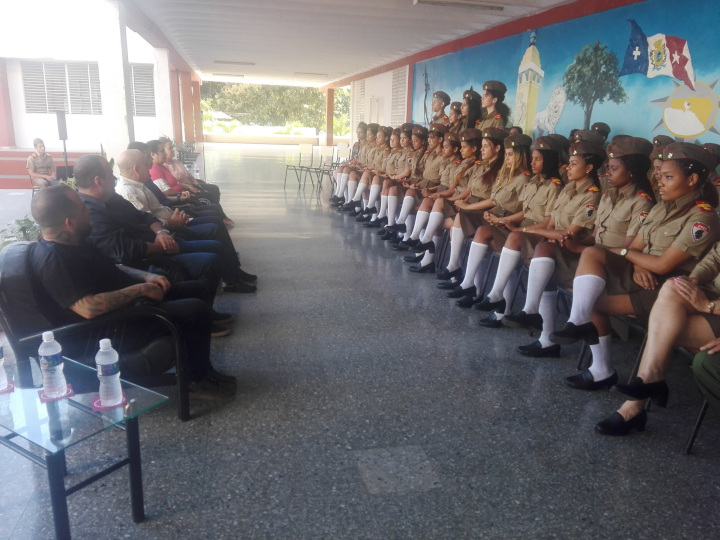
584 148
442 96
438 128
519 139
626 146
494 134
691 151
373 127
471 134
455 106
602 127
452 137
420 131
617 138
662 140
714 149
471 94
387 130
495 86
562 139
547 143
407 127
362 125
587 135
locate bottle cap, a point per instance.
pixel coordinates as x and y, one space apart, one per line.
105 343
48 336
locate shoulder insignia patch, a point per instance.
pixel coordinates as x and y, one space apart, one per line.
644 195
427 152
526 173
557 181
445 117
34 155
458 161
590 210
387 148
564 167
593 189
478 162
699 231
477 123
704 206
497 116
643 215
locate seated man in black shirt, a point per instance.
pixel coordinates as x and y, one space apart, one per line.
81 283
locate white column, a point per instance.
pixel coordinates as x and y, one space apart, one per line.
163 105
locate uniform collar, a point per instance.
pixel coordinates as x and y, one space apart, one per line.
627 194
582 187
684 200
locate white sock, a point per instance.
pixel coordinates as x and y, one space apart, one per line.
540 272
383 206
480 274
547 308
427 258
456 241
352 188
359 191
601 367
407 205
508 293
409 223
391 209
436 240
475 256
586 290
434 222
364 204
421 218
375 190
508 261
342 182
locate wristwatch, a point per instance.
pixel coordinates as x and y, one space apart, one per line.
623 252
711 307
162 231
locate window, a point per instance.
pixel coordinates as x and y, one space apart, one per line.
399 96
358 92
142 89
73 87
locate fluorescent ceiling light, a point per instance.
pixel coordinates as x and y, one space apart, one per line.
234 63
307 74
228 75
478 4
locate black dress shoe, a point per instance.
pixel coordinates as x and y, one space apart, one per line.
338 202
446 274
373 224
448 285
487 305
395 239
363 219
536 350
400 246
246 277
382 231
427 269
387 235
585 381
459 292
616 425
239 287
571 333
490 322
426 246
334 198
348 206
413 258
523 320
398 227
355 213
369 211
468 302
638 390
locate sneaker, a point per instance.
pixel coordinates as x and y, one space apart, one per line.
209 389
217 330
239 287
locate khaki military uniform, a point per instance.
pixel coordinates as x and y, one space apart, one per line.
460 183
577 205
456 128
448 170
381 154
508 197
431 172
620 215
39 165
496 120
441 119
707 272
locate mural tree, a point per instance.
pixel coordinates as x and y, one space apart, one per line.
593 78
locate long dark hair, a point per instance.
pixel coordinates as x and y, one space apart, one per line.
500 106
690 166
474 112
596 161
551 164
638 166
489 177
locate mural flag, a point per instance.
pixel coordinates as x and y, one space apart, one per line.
657 55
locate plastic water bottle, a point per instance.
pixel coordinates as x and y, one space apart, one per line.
3 375
108 367
51 364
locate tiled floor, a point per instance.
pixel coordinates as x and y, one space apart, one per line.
369 406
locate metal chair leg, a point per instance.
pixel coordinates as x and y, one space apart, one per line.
698 423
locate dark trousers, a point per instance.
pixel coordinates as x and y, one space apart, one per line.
208 228
201 259
706 368
210 192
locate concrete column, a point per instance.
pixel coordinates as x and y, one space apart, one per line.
163 83
175 104
197 112
187 107
329 113
7 130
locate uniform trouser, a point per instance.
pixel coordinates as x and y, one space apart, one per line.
706 368
202 264
207 228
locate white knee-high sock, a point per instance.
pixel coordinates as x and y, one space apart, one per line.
409 224
601 367
352 188
548 304
586 290
421 218
434 222
407 205
508 261
359 191
391 209
375 190
383 206
427 258
540 272
480 274
436 240
475 256
342 182
456 240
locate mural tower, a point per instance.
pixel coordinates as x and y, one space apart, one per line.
530 77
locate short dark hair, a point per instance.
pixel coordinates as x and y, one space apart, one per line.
87 168
139 145
155 145
51 206
551 164
38 141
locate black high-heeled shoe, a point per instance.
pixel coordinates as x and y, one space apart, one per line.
459 292
616 425
639 390
570 333
427 246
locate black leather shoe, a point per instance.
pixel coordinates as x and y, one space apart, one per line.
487 305
363 219
571 333
446 274
427 269
459 292
638 390
334 198
398 227
369 211
413 258
523 320
536 350
427 246
448 285
468 302
382 231
373 224
490 322
246 277
405 245
616 425
348 206
395 239
387 235
338 202
585 381
239 287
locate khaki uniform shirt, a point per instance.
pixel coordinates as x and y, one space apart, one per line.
461 178
441 119
496 120
456 128
688 224
39 165
417 165
539 198
477 188
577 205
620 215
363 153
431 174
379 157
449 168
390 158
507 198
708 269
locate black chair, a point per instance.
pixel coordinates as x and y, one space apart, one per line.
22 319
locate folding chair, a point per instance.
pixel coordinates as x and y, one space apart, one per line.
298 168
327 154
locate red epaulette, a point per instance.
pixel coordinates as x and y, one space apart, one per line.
564 167
387 148
478 162
704 206
34 155
497 116
477 123
593 189
644 195
427 152
526 173
458 161
445 117
556 181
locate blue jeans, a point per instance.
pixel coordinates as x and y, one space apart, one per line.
202 261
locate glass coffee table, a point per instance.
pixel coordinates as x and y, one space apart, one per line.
53 427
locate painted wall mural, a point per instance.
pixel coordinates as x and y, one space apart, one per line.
645 69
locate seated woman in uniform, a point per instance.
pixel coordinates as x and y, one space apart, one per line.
342 173
685 314
506 200
384 150
619 216
358 168
374 159
659 144
674 236
455 117
471 109
391 182
497 113
443 209
378 216
573 213
476 200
